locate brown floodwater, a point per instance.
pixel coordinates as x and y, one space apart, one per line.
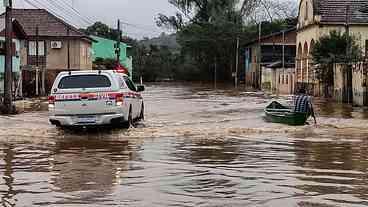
197 147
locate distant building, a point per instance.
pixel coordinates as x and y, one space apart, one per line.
53 35
105 48
19 37
268 64
318 18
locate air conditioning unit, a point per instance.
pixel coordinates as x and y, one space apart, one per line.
56 45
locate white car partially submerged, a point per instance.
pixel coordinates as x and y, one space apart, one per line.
85 98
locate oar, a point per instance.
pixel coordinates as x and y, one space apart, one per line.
313 115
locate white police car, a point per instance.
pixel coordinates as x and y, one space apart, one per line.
84 98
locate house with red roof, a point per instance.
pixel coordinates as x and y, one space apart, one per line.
53 37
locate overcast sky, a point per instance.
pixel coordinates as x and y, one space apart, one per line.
140 13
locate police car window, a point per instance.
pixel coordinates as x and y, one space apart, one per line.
122 82
130 84
84 81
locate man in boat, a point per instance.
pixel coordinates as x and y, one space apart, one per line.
303 103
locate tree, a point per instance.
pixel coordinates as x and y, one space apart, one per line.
207 31
334 48
102 30
104 63
268 10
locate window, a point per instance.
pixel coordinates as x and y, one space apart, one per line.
130 84
287 79
283 79
32 48
84 81
306 11
122 82
279 79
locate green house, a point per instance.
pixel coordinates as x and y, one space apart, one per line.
104 48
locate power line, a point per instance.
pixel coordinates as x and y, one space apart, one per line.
87 18
68 12
42 6
37 4
140 28
64 11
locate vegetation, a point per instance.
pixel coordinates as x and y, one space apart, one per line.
104 63
334 48
206 33
102 30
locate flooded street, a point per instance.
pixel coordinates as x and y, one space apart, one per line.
197 147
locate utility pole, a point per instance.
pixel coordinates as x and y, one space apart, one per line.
237 62
117 48
347 30
348 90
8 80
260 55
283 49
68 46
215 73
37 62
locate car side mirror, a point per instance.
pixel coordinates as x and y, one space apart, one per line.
140 88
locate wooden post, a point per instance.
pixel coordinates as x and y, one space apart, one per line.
68 46
283 49
20 88
215 73
43 87
37 63
260 56
237 62
117 49
37 80
8 79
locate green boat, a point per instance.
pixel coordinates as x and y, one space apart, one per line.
278 113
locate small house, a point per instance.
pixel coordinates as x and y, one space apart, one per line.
105 48
19 37
270 60
61 46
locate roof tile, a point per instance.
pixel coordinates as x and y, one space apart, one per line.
335 11
48 24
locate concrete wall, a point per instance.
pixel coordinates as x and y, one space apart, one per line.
253 73
266 79
306 16
284 80
338 82
360 95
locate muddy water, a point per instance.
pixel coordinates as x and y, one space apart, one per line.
198 147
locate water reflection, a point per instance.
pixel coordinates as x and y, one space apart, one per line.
333 168
7 197
207 151
88 164
198 147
